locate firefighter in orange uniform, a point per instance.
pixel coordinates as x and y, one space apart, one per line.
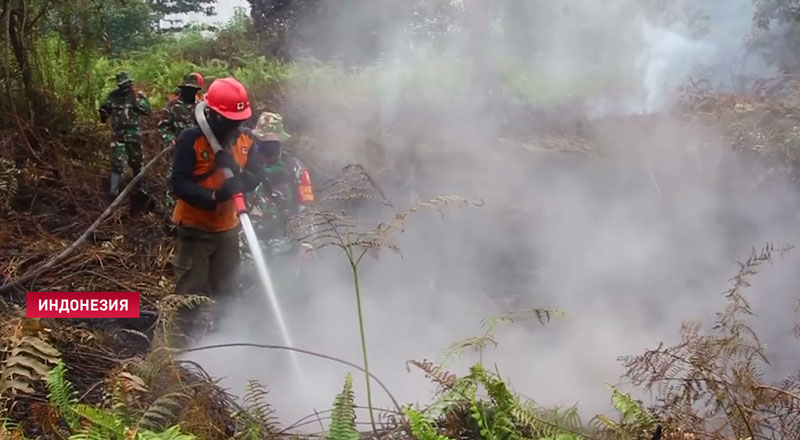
207 254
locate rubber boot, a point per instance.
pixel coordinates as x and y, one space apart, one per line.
139 187
114 185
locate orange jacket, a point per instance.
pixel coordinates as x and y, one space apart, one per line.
194 178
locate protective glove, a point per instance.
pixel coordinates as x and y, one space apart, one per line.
232 185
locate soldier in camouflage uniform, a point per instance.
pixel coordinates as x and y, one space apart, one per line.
287 188
124 106
178 114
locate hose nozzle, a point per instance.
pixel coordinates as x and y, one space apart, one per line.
238 202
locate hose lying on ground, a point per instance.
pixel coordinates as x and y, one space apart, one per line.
298 350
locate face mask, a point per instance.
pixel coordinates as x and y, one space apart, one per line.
188 94
222 127
269 150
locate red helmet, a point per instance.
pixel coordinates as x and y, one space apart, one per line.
200 80
228 97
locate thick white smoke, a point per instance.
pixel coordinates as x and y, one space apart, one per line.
633 232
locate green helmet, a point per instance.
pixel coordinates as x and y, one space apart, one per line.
123 78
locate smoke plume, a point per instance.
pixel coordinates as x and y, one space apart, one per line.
596 201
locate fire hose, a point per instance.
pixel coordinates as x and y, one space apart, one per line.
247 227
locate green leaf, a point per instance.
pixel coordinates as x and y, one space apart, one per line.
343 418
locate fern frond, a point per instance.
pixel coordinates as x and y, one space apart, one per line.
10 429
354 183
160 412
257 406
421 427
172 433
444 378
26 360
631 411
101 424
343 418
126 389
62 396
168 309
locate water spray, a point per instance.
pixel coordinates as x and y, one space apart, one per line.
250 235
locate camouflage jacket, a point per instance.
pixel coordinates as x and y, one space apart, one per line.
278 200
176 116
124 108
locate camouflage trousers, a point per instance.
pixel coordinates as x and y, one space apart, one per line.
130 148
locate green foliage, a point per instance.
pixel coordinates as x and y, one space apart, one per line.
62 396
101 424
421 427
171 433
343 418
257 418
130 27
506 417
115 424
633 418
75 53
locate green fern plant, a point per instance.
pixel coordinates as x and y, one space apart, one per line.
525 417
105 425
421 427
62 396
504 415
257 417
633 418
343 418
109 425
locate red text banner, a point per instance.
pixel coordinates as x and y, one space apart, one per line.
82 305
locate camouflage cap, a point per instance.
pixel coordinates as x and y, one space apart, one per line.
270 128
123 78
191 80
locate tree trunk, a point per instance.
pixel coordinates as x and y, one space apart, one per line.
17 38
